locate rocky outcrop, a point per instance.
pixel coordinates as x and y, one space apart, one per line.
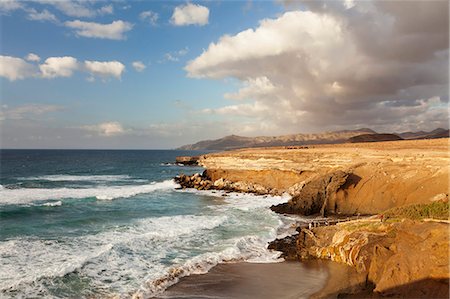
287 246
187 160
204 182
316 196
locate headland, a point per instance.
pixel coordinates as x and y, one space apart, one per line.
398 245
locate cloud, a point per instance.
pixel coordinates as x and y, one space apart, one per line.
105 68
13 68
334 65
73 8
115 30
7 6
138 66
27 111
175 55
259 86
149 16
44 15
106 10
58 67
190 14
33 57
112 128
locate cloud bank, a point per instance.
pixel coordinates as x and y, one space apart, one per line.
382 64
14 68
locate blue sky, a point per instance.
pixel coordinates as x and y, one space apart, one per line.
150 74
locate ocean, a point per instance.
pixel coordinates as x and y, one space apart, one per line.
97 223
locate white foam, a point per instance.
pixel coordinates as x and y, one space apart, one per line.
97 178
100 256
53 204
28 195
148 255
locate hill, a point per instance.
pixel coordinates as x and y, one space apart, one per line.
235 142
374 138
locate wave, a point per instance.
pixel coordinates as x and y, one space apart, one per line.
131 251
73 178
28 195
53 204
251 249
242 201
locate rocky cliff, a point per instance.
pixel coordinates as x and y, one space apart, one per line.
402 252
360 178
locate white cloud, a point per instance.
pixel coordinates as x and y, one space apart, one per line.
112 128
10 5
149 16
105 68
106 10
334 67
259 86
27 111
73 8
58 67
33 57
175 55
138 66
115 30
44 15
190 14
14 68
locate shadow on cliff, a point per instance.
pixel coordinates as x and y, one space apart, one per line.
425 288
352 180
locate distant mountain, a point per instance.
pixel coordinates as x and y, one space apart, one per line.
437 133
374 138
234 141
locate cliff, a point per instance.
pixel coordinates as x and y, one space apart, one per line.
378 176
402 251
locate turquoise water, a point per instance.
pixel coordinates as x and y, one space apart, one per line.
99 223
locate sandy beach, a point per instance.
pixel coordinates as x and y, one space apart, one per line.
307 279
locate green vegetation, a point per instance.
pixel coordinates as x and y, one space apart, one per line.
434 210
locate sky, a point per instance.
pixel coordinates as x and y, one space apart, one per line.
161 74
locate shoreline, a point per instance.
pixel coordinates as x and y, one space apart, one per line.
243 280
335 176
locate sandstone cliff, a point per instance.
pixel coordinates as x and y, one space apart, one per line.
378 176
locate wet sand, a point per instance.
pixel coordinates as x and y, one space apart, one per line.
264 281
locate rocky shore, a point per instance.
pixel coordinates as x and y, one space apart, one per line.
401 251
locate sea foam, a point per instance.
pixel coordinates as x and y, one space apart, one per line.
28 195
72 178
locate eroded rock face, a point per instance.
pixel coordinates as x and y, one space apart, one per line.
316 196
401 259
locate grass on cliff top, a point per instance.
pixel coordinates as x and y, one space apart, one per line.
434 210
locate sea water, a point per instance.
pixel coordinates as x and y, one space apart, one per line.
94 223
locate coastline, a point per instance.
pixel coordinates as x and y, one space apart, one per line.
353 273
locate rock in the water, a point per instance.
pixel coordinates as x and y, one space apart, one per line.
187 160
288 247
